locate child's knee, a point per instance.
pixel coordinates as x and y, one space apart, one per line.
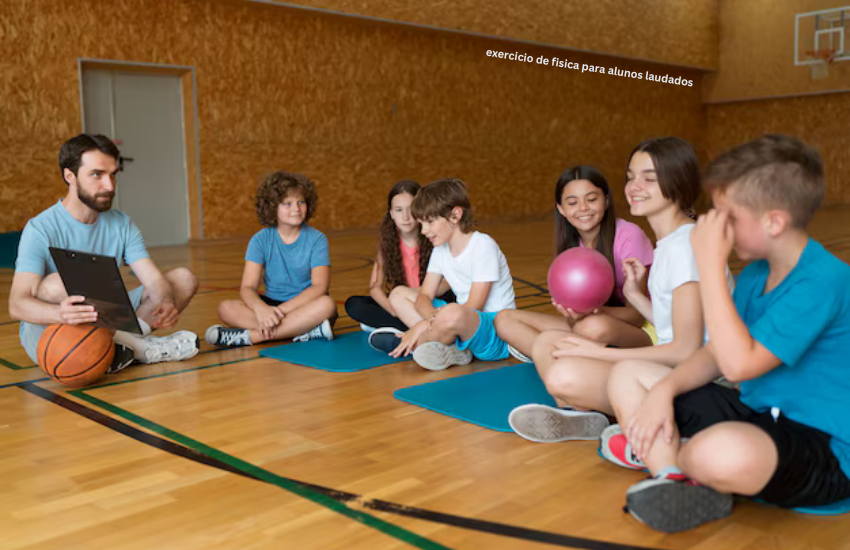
504 319
544 344
594 327
451 318
730 458
327 305
184 279
565 382
398 295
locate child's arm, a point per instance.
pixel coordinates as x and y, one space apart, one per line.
656 412
478 294
427 292
267 316
687 336
739 356
376 286
634 288
320 282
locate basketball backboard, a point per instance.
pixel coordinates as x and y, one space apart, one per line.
822 36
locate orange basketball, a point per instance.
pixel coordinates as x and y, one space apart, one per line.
75 355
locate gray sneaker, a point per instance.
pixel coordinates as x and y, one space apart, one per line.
178 346
324 330
545 424
673 505
437 356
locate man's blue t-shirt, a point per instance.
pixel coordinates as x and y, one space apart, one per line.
287 267
804 322
112 234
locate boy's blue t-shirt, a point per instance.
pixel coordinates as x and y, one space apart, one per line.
805 322
112 234
287 267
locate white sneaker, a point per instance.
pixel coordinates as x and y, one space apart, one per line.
178 346
518 355
324 330
545 424
366 328
438 356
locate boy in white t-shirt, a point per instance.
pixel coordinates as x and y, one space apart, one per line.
478 274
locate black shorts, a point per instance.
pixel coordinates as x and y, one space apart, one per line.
807 474
270 301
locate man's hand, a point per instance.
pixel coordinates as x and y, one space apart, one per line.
165 315
71 314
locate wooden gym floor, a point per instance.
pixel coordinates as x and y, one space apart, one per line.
229 450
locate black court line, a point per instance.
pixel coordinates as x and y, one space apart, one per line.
533 285
462 522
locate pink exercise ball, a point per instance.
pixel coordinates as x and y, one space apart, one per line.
581 279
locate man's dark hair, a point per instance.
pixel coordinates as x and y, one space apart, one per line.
72 151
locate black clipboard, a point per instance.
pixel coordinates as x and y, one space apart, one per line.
97 278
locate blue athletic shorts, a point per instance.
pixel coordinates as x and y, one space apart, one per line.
485 344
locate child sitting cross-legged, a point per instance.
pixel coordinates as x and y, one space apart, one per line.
292 260
783 335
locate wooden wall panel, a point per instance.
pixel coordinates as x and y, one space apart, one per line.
757 53
682 32
355 105
814 120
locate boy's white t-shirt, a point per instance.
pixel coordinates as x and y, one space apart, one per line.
673 265
481 261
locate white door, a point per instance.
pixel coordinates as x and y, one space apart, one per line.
143 114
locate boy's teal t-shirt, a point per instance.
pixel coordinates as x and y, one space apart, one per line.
805 322
287 268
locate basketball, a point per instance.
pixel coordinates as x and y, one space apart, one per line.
75 355
581 279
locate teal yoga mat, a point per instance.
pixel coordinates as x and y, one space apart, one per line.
345 353
484 398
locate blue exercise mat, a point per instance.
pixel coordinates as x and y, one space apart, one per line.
345 353
484 398
834 509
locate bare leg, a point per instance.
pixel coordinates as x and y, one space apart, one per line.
628 386
236 314
452 321
184 285
746 464
403 300
610 330
520 328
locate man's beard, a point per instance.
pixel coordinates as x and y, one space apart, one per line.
91 201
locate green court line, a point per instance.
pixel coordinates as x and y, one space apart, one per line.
15 366
369 520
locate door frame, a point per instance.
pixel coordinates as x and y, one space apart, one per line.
189 122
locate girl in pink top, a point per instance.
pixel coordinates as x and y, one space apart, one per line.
400 264
584 216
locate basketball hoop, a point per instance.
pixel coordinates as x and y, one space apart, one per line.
823 58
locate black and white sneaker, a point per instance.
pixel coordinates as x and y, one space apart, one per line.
122 359
223 337
385 339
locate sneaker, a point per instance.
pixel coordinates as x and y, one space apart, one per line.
324 330
224 337
123 358
614 447
178 346
366 328
674 503
518 355
385 339
545 424
438 356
